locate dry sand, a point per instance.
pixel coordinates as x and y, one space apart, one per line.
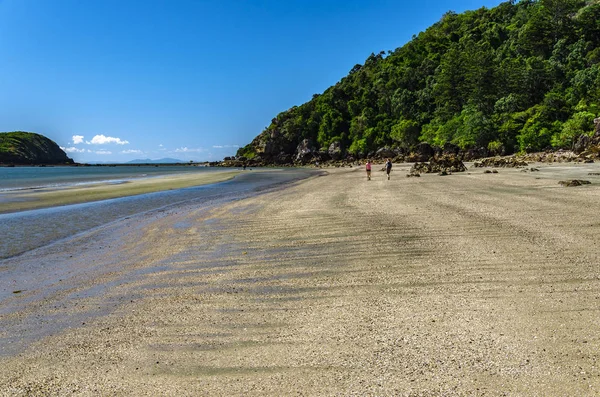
48 197
469 284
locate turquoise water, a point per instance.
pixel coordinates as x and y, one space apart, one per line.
18 178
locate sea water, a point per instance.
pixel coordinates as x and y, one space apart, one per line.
27 230
19 178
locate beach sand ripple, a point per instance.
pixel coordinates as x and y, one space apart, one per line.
468 284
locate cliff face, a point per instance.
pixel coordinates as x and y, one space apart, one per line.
22 148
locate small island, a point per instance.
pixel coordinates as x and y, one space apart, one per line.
28 148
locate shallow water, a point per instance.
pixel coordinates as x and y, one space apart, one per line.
20 178
27 230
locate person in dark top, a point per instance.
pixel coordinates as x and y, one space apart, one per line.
388 167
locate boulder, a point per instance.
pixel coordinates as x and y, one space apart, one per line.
475 153
323 155
384 152
335 151
282 158
582 144
425 150
450 149
574 182
596 136
497 162
421 153
304 152
442 165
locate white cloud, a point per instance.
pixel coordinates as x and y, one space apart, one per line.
188 150
72 150
225 146
161 145
103 152
131 151
101 140
77 139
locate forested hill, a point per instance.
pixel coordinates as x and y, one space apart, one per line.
27 148
523 76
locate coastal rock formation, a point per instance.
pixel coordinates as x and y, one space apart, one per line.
304 152
450 149
335 151
423 152
442 165
583 142
28 148
385 152
574 182
588 147
497 162
563 156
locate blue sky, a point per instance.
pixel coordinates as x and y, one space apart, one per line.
115 80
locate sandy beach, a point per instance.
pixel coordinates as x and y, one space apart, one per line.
471 284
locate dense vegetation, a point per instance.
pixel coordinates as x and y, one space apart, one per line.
28 148
523 76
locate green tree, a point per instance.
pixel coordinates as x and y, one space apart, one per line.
406 132
579 124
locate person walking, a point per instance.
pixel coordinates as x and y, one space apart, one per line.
388 167
368 170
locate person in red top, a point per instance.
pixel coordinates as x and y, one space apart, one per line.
368 170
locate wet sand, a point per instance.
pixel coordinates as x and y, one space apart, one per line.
468 284
23 200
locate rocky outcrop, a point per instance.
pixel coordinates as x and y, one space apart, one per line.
442 165
278 146
422 152
500 162
474 154
384 153
583 142
28 148
562 156
335 151
305 152
574 183
450 149
589 146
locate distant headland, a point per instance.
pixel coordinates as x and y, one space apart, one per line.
28 148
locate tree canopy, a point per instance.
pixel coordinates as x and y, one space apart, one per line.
523 76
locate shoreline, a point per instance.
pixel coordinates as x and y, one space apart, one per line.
27 230
470 283
24 200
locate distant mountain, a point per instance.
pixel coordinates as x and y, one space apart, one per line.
28 148
158 161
